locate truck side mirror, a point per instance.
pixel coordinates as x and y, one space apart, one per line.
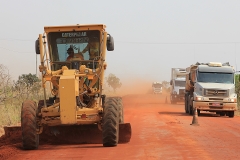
110 43
37 50
192 76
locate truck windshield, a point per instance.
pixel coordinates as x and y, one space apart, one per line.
180 83
215 77
84 44
157 85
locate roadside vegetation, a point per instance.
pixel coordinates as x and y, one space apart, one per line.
13 93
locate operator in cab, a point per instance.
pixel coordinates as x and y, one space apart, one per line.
71 54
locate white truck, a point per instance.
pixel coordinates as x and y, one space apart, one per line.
211 87
157 87
177 82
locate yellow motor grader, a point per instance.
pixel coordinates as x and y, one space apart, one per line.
76 111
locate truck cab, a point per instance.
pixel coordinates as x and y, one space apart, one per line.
177 82
157 88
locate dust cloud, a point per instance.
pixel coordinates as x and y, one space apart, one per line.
131 86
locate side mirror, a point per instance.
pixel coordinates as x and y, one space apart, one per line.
192 76
171 82
37 50
110 43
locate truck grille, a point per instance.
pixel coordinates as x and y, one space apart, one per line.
215 99
215 92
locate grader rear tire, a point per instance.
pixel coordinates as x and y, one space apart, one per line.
121 113
110 128
30 138
231 114
186 103
120 108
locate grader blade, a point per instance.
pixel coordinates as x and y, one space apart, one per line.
125 132
77 134
82 134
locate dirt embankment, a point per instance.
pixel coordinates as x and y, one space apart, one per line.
9 144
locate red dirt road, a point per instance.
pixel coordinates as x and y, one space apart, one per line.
159 131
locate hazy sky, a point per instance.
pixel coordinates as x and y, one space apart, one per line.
150 36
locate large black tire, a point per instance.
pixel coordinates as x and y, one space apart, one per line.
118 101
198 112
186 103
110 127
231 114
121 113
222 113
30 138
120 109
190 108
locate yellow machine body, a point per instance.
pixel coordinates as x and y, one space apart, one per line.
67 83
74 109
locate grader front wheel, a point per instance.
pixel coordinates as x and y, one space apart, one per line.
110 128
30 138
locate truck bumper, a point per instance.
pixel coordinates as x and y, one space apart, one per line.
155 92
215 106
179 98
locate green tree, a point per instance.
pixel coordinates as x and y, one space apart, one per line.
113 82
28 86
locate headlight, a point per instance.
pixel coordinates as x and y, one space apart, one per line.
199 98
232 99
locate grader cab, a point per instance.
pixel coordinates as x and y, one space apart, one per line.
72 66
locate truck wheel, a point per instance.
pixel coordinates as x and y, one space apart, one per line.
222 113
190 108
198 112
30 138
186 105
231 114
110 128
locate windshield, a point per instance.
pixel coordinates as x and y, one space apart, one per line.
180 83
157 85
84 45
216 77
